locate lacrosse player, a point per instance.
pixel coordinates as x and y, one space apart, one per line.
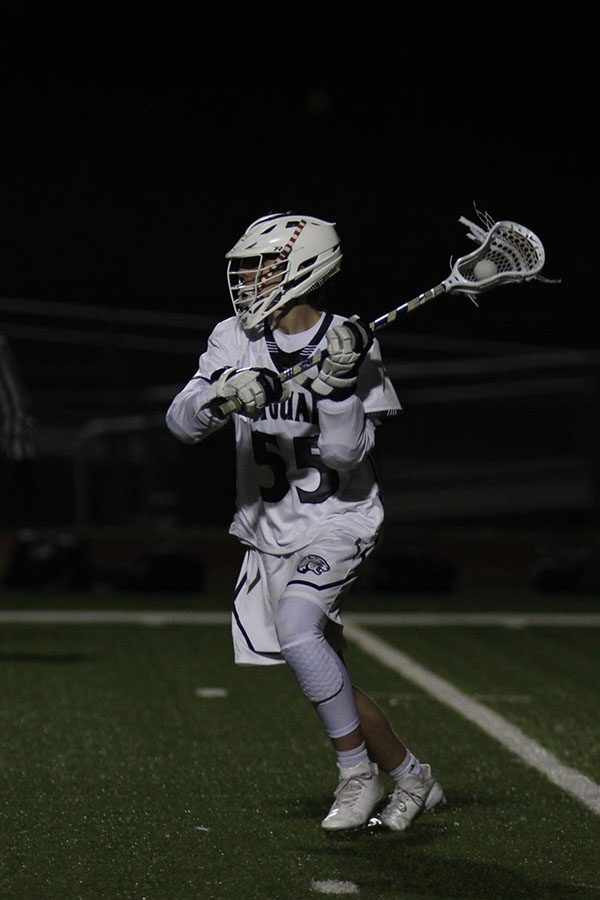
308 504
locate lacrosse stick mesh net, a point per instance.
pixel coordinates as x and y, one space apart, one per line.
515 252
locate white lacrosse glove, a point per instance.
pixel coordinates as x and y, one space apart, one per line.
250 389
347 346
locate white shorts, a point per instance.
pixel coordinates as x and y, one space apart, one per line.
321 573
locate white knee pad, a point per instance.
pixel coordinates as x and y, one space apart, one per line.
321 674
315 667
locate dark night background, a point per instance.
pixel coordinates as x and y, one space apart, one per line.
138 142
140 139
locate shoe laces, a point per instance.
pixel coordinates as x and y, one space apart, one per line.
349 789
397 798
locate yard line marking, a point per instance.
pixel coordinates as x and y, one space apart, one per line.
504 620
331 886
569 780
111 617
218 617
211 692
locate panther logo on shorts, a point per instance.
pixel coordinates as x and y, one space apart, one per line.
313 563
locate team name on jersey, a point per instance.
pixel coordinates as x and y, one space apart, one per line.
299 407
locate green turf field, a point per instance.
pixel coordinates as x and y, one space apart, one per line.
122 778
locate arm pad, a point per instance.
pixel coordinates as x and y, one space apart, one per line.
346 435
186 420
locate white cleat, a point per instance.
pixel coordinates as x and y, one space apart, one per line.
416 795
359 790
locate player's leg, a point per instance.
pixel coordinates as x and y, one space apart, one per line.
383 744
320 671
416 789
309 633
325 681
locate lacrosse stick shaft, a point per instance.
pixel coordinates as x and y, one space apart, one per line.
230 406
377 325
517 255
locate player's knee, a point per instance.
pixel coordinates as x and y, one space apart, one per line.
314 665
297 620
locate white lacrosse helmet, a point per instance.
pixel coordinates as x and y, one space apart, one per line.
278 258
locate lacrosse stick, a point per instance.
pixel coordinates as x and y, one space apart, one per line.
513 254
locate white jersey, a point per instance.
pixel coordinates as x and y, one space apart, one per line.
286 495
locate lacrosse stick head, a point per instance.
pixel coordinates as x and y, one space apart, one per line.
513 254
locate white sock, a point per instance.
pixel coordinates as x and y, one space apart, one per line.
410 765
356 757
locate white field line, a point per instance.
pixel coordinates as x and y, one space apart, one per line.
110 617
569 780
183 617
486 619
331 886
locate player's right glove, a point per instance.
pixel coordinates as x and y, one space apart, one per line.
347 346
250 389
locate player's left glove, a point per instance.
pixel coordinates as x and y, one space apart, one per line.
347 346
250 389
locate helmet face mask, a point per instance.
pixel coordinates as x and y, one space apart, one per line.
253 284
280 258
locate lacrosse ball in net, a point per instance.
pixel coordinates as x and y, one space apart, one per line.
485 268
